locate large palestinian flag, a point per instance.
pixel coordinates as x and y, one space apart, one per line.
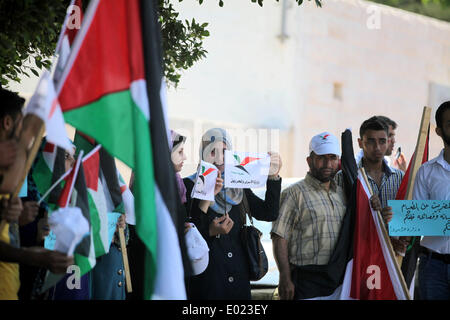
111 91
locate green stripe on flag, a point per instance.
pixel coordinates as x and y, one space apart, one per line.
42 175
116 122
96 227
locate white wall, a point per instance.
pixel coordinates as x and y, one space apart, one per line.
251 77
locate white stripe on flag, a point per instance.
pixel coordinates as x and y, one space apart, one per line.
87 20
169 282
138 90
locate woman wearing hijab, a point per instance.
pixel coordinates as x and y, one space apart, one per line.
178 157
220 224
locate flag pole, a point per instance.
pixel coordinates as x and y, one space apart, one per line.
418 157
126 266
54 185
420 148
387 241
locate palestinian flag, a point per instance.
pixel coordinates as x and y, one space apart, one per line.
361 266
75 193
48 168
69 30
128 200
96 194
113 76
375 274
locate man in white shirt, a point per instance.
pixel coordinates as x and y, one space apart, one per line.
433 183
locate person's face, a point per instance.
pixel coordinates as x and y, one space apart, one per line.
12 126
178 156
18 125
68 161
323 167
374 144
214 153
391 141
444 132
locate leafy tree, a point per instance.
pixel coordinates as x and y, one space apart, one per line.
29 30
439 9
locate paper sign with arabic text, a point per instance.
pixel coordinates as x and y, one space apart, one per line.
246 169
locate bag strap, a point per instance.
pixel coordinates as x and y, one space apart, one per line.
245 209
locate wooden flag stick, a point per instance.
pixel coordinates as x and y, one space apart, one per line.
420 148
418 157
387 240
126 266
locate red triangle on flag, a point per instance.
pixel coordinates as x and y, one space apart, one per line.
91 167
370 276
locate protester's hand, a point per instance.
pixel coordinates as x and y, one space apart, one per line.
387 214
8 153
399 246
29 213
43 228
220 225
286 287
219 183
11 210
121 222
275 164
55 261
187 226
400 162
375 203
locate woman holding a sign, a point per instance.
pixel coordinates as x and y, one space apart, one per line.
220 222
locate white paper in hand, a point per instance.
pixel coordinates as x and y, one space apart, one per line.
246 169
205 181
69 226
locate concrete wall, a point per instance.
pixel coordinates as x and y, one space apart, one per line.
339 65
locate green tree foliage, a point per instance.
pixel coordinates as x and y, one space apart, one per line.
439 9
29 31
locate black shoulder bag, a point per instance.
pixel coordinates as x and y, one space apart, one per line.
251 237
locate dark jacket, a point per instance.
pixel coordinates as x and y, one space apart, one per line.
226 276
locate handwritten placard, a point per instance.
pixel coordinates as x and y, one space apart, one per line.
49 242
112 223
420 218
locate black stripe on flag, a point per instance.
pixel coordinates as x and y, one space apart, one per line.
82 202
58 170
163 168
108 167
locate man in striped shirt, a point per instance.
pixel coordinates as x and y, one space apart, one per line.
384 180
